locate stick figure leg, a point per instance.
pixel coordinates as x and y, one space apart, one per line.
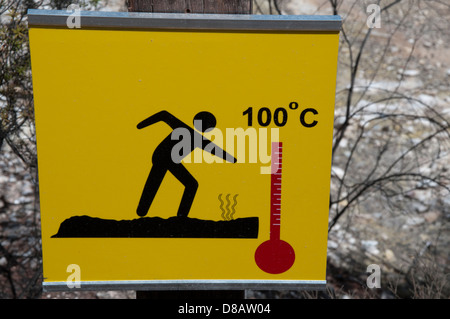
151 187
190 184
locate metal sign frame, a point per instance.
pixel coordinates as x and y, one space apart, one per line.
166 21
177 21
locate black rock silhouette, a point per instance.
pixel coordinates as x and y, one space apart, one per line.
156 227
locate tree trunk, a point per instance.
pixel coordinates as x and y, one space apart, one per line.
191 6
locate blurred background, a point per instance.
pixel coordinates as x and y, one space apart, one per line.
390 179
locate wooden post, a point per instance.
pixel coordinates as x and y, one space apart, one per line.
191 6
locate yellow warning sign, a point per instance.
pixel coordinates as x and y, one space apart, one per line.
186 157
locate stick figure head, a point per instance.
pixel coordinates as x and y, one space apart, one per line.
204 121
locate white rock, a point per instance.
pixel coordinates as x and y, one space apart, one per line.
420 207
339 172
427 99
332 244
339 121
411 72
415 220
370 246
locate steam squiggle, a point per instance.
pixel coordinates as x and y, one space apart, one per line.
228 207
221 206
233 211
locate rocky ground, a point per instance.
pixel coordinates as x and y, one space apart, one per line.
403 229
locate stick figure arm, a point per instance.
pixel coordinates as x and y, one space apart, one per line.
164 116
215 150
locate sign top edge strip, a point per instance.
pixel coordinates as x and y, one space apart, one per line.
144 20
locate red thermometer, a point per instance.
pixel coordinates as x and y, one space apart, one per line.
275 256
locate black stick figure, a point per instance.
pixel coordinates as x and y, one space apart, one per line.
163 159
